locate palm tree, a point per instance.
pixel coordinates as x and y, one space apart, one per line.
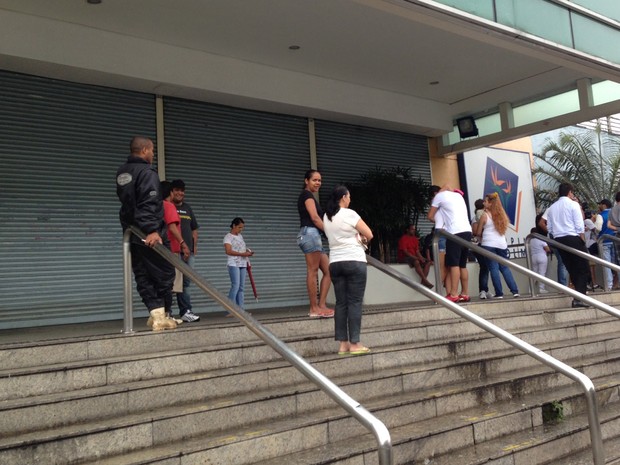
588 160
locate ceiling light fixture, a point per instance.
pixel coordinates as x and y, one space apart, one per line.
294 47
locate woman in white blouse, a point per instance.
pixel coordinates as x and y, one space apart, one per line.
238 254
348 235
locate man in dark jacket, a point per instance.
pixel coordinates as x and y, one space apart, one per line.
137 187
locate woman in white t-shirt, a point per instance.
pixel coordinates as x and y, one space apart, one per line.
347 234
238 254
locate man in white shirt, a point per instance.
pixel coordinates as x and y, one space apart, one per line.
454 213
565 222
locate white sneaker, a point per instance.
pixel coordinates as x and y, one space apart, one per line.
543 291
190 317
178 321
483 295
498 296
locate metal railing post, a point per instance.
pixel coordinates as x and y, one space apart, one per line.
437 266
357 411
127 286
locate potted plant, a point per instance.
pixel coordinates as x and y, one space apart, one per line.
389 199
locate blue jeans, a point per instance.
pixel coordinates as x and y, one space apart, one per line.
237 284
184 300
483 274
349 279
562 271
495 268
609 254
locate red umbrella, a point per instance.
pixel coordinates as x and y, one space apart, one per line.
252 280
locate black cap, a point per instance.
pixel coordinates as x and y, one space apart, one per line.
177 184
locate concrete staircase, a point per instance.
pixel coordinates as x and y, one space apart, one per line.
214 394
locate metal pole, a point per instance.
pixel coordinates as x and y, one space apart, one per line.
438 282
128 313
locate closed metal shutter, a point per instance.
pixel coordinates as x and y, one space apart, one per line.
249 164
60 146
60 238
345 152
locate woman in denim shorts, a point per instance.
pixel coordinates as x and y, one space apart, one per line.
309 241
443 271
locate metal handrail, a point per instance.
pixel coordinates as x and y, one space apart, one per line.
567 290
596 439
368 420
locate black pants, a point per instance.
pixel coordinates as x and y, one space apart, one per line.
349 278
578 268
154 277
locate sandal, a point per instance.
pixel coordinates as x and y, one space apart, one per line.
362 351
323 314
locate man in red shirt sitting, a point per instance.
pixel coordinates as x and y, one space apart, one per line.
409 252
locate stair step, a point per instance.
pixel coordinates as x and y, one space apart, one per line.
67 350
426 438
584 457
439 364
438 382
84 374
547 444
404 364
460 444
161 425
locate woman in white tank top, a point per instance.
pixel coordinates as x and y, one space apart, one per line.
492 227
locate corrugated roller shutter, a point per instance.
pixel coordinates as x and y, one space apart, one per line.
60 239
242 163
345 152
